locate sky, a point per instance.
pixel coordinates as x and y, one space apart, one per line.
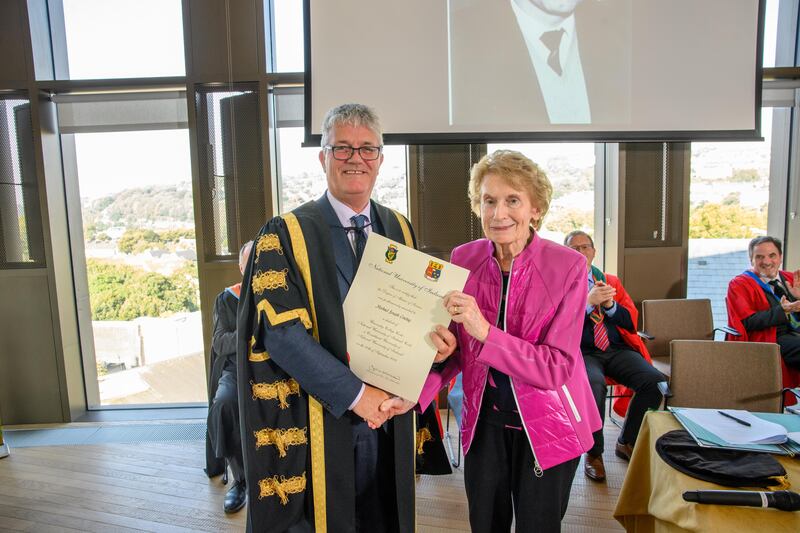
112 162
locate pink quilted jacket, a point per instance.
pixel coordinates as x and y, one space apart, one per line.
540 349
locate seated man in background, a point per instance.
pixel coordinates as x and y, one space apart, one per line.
763 301
611 347
224 442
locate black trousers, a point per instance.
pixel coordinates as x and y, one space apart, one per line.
790 349
628 368
373 449
223 423
501 485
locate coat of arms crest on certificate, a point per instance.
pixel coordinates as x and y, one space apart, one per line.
391 253
434 270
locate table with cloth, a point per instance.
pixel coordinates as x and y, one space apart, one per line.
651 499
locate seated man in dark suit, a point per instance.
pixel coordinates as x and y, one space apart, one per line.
224 443
763 301
611 347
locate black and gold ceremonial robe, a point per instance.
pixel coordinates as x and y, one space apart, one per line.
297 437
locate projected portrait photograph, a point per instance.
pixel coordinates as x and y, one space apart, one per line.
522 63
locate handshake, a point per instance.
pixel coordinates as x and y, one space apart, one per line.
377 406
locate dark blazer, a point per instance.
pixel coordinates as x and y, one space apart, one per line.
223 354
487 48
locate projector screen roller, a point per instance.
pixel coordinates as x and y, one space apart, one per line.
486 70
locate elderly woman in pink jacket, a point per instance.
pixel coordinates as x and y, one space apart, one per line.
528 411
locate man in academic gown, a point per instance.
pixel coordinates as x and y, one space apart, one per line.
319 452
763 303
611 347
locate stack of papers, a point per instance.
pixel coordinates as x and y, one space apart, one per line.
767 432
737 426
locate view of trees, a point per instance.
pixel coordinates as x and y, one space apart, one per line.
123 292
135 221
571 180
137 240
569 219
745 175
130 207
726 221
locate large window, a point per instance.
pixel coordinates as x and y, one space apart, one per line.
124 38
729 195
770 58
143 340
571 169
301 178
287 35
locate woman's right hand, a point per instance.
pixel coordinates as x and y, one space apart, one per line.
445 343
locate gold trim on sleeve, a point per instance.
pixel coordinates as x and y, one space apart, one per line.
269 242
279 390
423 436
256 357
280 438
315 414
270 280
281 486
279 318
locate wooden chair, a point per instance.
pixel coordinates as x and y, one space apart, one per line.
791 376
725 375
666 320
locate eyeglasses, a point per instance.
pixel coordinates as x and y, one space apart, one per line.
582 247
344 152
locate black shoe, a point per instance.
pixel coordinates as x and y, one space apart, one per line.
235 498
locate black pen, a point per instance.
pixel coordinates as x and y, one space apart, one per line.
742 422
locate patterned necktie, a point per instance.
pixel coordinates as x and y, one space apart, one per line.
552 40
777 289
600 333
360 235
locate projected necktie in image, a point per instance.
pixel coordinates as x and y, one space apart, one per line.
539 62
578 70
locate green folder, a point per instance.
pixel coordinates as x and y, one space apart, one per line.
705 438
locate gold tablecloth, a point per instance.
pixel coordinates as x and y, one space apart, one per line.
651 499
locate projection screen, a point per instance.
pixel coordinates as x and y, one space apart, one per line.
441 71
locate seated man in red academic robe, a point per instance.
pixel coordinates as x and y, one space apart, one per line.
763 301
611 347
